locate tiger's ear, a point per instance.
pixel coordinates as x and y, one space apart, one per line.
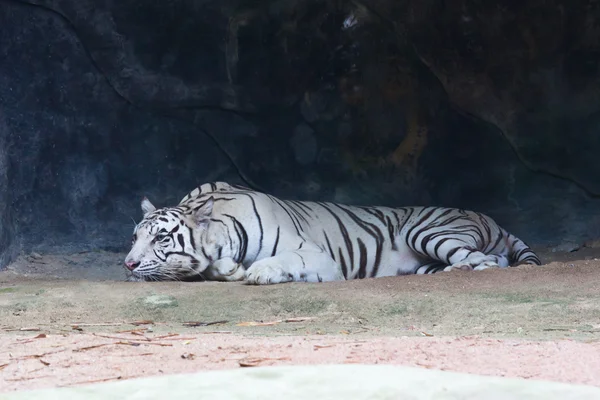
147 207
200 216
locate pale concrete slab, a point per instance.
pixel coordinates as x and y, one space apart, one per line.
327 382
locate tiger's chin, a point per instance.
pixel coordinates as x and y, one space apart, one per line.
133 277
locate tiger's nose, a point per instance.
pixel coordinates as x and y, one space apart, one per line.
131 265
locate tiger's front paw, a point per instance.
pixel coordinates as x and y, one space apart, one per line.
226 269
265 273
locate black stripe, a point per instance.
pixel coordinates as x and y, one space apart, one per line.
438 245
304 207
329 246
345 235
260 225
432 269
292 205
436 222
302 258
295 212
413 241
362 270
391 233
374 212
343 262
163 259
242 238
395 214
487 228
276 242
519 253
192 239
498 240
209 258
451 253
372 230
294 221
180 253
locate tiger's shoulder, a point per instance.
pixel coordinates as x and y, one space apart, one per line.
214 187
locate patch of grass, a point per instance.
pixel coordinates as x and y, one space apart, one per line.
66 304
305 305
427 307
8 290
517 298
20 307
525 298
395 309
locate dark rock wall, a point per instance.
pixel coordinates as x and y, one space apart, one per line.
466 103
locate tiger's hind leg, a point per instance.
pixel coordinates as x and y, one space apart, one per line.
294 266
458 254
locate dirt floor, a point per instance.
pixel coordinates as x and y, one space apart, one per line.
70 319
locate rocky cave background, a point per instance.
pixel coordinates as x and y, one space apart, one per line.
488 106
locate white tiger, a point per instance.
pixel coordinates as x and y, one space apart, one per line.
231 233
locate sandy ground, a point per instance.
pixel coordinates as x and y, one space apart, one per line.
68 320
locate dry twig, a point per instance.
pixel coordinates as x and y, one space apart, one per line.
201 323
117 337
27 329
166 336
135 323
134 343
142 322
138 330
92 381
27 378
76 325
256 361
279 321
91 347
39 355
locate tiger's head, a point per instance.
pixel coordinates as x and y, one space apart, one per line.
172 243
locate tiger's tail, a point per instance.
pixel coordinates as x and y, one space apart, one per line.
519 252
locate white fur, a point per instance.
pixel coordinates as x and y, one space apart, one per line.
233 233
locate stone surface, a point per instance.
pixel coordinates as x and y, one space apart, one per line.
380 102
330 382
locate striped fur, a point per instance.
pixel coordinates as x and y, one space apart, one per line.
228 232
